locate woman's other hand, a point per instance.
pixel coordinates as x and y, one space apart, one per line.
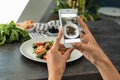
56 59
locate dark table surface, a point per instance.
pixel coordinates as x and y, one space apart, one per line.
14 66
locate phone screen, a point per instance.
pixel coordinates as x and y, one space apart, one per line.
70 28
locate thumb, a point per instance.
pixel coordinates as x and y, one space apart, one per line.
80 46
57 41
68 53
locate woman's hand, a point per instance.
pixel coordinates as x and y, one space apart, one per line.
96 55
89 47
56 59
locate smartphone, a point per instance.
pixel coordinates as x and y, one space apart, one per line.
70 26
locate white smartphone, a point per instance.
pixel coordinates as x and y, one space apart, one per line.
71 27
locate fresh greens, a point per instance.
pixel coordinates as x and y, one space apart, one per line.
10 33
51 43
42 54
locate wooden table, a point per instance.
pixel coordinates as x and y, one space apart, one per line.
14 66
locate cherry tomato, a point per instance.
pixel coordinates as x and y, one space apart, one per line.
37 52
45 57
38 43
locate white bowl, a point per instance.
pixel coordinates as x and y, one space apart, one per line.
31 29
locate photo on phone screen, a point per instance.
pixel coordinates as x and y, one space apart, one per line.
70 27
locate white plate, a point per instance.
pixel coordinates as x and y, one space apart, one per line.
110 11
27 50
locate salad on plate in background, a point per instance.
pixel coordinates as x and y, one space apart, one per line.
41 48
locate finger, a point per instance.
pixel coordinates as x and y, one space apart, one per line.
62 48
82 23
83 32
85 39
78 46
47 55
82 35
68 52
84 26
61 45
57 41
82 47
